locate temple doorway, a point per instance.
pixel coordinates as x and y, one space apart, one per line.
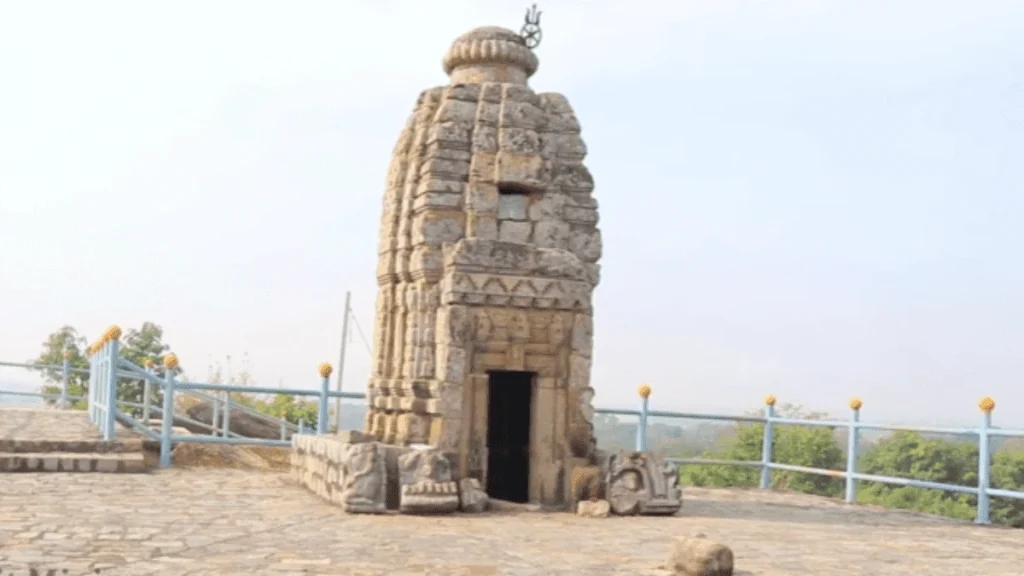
510 396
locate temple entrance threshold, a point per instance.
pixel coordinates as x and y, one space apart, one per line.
510 397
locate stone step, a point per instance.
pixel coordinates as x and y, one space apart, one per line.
73 462
43 446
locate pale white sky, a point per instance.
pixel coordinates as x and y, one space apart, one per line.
816 199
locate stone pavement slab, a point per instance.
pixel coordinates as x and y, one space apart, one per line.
243 522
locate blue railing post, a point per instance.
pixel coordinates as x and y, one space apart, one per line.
226 431
214 413
987 405
766 445
302 426
94 371
167 416
65 381
851 450
112 358
641 425
325 370
147 393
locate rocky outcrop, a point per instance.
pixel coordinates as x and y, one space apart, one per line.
240 422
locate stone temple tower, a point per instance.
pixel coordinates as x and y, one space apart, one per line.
488 258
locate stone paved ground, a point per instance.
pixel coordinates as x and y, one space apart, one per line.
239 522
242 522
19 423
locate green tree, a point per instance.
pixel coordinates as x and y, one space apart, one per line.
809 446
920 457
146 349
65 340
1008 474
143 346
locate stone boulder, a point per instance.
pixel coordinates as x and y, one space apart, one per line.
242 423
698 556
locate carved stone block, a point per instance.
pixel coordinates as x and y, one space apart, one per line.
642 483
426 497
353 476
426 483
472 497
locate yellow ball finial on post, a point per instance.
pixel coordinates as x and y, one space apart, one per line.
325 370
644 391
856 403
113 333
171 361
987 404
769 400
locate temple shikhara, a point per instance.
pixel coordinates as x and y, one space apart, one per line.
488 260
489 254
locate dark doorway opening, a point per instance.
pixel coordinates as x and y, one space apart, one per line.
510 396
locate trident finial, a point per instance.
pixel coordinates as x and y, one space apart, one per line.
530 31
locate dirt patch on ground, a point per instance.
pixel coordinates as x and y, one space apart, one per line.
262 458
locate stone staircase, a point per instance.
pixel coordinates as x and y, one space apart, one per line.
39 440
72 456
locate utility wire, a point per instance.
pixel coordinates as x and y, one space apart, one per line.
362 336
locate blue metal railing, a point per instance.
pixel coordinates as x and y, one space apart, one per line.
104 410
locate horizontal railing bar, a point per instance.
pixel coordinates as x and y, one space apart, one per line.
249 389
925 429
691 416
617 411
126 366
915 483
1005 493
59 367
818 423
999 432
184 419
235 441
38 394
807 470
349 395
714 462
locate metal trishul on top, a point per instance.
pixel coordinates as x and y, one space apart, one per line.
531 31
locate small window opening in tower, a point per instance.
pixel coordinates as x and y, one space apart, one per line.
513 190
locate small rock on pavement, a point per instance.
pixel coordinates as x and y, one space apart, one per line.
472 497
698 556
593 509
